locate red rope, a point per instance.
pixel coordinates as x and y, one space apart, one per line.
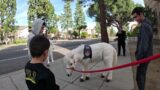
151 58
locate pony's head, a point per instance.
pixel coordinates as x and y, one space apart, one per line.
70 62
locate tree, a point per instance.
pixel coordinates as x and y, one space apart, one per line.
52 20
41 9
97 28
117 12
97 9
79 17
102 16
7 14
121 12
66 18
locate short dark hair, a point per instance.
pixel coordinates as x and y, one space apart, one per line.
38 45
138 10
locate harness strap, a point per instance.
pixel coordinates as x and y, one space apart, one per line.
87 52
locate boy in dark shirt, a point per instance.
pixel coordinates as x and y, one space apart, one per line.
38 77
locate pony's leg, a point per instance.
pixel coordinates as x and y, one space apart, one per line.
104 74
51 54
109 76
109 73
48 61
83 77
29 55
88 74
50 51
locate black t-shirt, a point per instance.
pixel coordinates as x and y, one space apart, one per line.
38 77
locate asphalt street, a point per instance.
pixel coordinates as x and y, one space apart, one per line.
15 57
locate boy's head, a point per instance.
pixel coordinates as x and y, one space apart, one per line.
138 14
39 46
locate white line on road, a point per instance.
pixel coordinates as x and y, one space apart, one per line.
13 58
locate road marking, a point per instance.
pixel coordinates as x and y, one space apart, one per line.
14 51
13 58
25 49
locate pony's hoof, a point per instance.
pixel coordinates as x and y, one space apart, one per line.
81 80
87 78
102 76
107 80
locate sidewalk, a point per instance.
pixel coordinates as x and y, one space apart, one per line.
122 79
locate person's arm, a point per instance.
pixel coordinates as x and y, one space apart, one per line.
143 42
125 36
51 82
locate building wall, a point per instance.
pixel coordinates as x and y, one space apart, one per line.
158 26
155 6
23 33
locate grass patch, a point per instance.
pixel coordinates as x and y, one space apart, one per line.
20 41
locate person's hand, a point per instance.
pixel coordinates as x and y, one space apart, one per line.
137 65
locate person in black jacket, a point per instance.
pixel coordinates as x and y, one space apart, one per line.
37 76
144 45
121 42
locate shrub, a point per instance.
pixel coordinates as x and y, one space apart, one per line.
20 40
84 34
134 33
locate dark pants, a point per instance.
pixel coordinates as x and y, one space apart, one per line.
141 75
121 44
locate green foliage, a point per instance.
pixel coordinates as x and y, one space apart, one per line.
7 14
52 20
79 17
121 10
101 7
66 17
97 28
53 30
84 34
95 36
20 40
116 11
75 34
42 9
134 33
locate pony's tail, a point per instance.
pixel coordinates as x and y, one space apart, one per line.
114 57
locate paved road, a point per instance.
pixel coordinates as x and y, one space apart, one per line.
14 58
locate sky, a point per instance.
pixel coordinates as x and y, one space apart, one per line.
22 9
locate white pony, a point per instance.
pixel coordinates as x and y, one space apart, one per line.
100 52
50 53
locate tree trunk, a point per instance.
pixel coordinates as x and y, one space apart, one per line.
104 34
